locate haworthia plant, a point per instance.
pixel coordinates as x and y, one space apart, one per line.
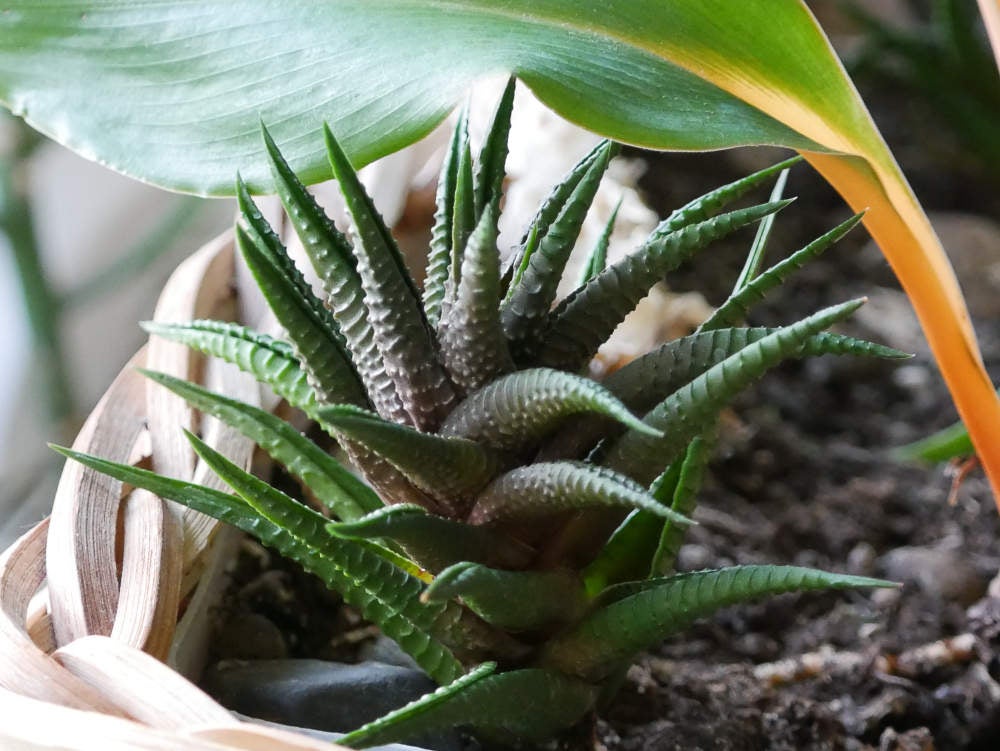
523 518
165 90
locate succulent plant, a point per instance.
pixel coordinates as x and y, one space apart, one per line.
518 522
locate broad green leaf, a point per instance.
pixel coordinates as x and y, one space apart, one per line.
172 92
531 704
652 610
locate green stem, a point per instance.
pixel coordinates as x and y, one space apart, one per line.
40 301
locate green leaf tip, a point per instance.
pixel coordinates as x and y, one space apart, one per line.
640 614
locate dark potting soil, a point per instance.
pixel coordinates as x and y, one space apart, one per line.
805 475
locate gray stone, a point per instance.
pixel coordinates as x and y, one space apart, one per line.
325 696
888 318
973 246
944 573
385 650
251 635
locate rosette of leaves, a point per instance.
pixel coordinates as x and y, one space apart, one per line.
517 524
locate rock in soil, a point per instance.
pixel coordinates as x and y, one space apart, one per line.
321 695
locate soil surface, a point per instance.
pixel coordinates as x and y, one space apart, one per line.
804 474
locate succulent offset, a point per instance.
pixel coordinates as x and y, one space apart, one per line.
518 524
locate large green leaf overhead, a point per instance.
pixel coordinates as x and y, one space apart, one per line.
173 91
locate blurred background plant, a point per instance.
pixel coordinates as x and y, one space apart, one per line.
932 60
73 282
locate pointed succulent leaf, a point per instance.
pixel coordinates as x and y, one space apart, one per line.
649 612
515 411
401 332
683 494
473 347
392 485
271 248
320 237
219 505
434 541
585 319
464 211
734 309
439 255
491 167
271 361
512 600
628 551
318 347
494 705
394 724
447 468
657 374
546 488
551 208
711 203
527 306
598 257
689 410
949 443
332 258
756 255
326 478
383 593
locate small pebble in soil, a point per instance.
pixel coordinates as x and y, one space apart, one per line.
250 636
321 695
385 650
944 573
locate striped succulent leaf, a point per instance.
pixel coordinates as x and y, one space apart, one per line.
315 336
332 257
585 319
436 542
689 410
271 361
526 308
639 615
